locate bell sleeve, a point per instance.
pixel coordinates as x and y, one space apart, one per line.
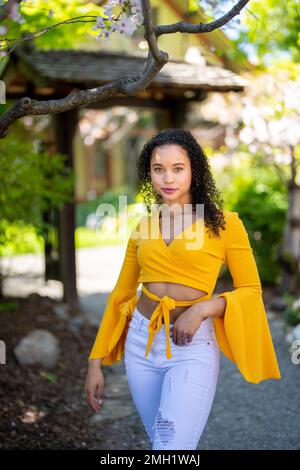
243 332
110 339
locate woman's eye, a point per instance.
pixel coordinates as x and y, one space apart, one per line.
155 169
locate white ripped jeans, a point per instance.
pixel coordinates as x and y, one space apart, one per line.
172 396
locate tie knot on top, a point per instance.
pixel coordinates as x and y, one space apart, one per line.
168 302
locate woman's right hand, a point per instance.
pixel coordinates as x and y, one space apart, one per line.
94 385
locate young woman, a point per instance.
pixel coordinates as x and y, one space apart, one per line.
171 335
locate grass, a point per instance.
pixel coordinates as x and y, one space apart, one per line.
27 241
88 238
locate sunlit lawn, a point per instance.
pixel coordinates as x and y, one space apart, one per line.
87 238
27 241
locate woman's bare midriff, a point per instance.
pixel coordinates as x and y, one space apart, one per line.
177 291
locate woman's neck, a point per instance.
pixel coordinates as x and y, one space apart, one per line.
173 213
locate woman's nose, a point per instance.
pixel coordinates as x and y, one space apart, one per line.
168 179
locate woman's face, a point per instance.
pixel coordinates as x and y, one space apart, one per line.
170 167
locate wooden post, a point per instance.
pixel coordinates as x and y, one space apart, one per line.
178 112
65 126
172 115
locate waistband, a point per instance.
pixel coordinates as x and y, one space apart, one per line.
162 312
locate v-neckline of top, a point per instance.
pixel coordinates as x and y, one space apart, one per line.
178 235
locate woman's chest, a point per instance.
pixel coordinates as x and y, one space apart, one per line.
191 247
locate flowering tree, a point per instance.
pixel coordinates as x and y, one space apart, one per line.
271 119
266 120
130 15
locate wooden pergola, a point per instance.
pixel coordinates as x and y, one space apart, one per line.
53 74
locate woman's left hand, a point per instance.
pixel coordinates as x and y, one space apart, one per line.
187 324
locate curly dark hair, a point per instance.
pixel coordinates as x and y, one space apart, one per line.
203 188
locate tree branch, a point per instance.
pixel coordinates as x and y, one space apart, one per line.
127 85
184 27
150 33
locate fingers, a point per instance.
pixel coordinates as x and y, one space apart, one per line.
91 401
99 396
180 338
183 339
95 399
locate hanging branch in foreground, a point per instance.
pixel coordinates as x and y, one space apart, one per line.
126 85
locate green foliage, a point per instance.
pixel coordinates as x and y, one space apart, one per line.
109 224
273 26
292 313
49 377
259 195
108 197
31 182
88 237
9 306
19 238
36 15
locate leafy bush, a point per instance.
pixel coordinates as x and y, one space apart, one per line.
259 195
31 182
84 209
292 313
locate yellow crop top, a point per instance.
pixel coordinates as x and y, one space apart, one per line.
242 334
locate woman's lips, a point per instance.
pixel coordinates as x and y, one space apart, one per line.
168 190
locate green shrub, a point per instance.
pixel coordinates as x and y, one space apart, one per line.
259 195
31 182
292 312
86 208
